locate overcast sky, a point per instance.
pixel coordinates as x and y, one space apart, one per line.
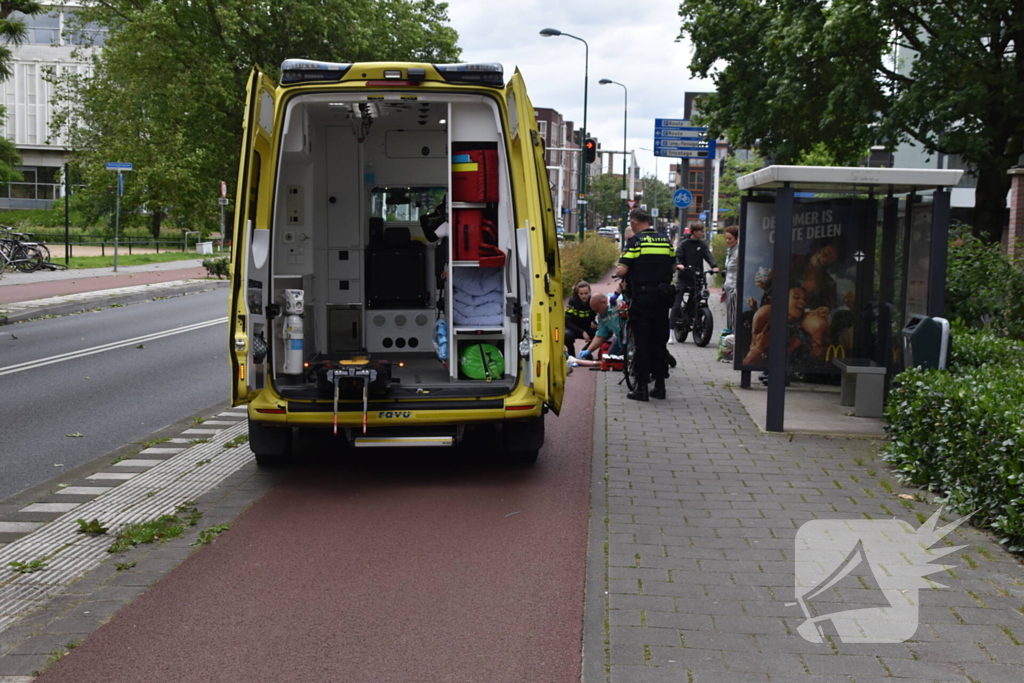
632 43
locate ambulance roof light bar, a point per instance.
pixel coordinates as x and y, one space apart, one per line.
307 70
490 74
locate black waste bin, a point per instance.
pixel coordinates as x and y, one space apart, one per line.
926 342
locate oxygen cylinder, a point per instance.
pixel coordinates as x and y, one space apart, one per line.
292 331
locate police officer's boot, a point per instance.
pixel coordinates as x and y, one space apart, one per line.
639 394
659 389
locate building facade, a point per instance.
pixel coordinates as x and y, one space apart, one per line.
48 51
558 135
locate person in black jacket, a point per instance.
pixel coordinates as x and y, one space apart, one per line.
691 254
579 318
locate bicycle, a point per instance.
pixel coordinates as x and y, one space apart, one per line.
702 324
24 258
25 238
628 342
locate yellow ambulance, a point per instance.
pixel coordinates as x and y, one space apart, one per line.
395 270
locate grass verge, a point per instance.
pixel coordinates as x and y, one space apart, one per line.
124 259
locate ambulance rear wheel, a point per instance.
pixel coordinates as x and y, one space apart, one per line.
272 446
523 440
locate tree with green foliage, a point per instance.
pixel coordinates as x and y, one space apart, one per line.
167 91
655 192
728 191
604 192
984 287
12 34
851 74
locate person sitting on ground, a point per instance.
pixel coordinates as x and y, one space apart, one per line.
579 318
609 323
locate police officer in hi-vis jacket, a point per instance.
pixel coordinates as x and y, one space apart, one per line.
648 264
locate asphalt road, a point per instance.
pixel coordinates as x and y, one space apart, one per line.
114 376
378 567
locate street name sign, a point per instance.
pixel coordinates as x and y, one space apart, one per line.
119 165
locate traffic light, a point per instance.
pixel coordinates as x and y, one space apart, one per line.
591 148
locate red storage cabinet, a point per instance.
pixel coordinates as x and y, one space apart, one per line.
479 182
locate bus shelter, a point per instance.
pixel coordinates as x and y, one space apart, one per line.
850 254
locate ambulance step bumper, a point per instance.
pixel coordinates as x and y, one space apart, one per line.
403 441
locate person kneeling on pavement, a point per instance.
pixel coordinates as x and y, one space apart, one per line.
579 318
609 323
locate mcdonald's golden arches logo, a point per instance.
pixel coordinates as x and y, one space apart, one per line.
835 351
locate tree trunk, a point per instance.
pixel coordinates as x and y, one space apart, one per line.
990 214
154 225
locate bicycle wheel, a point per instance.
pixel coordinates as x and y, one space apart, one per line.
703 325
680 323
629 356
27 259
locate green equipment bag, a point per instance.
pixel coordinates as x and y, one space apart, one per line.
482 361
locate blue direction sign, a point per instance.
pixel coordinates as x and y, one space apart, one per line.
677 138
703 215
682 198
119 165
696 150
672 123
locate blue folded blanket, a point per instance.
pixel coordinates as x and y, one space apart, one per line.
482 314
477 281
477 296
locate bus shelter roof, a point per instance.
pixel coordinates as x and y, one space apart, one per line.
855 179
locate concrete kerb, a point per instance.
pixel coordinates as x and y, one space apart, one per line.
85 301
595 613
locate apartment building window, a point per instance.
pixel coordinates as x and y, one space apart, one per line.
90 34
47 29
696 180
697 207
543 125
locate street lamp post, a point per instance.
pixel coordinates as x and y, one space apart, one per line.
655 193
625 122
547 33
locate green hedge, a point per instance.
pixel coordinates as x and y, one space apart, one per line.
960 432
587 260
984 288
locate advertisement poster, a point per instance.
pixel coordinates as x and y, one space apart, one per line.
918 258
826 235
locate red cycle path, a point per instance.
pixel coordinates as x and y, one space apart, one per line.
14 293
406 569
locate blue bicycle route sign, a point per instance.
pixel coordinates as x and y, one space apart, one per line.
682 198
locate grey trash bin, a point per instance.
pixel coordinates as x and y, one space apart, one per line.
926 342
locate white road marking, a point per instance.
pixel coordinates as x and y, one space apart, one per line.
147 496
73 355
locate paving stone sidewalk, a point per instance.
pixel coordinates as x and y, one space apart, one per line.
691 566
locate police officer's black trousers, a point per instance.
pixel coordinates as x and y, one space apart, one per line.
648 316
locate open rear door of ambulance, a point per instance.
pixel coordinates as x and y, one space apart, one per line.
547 315
250 254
